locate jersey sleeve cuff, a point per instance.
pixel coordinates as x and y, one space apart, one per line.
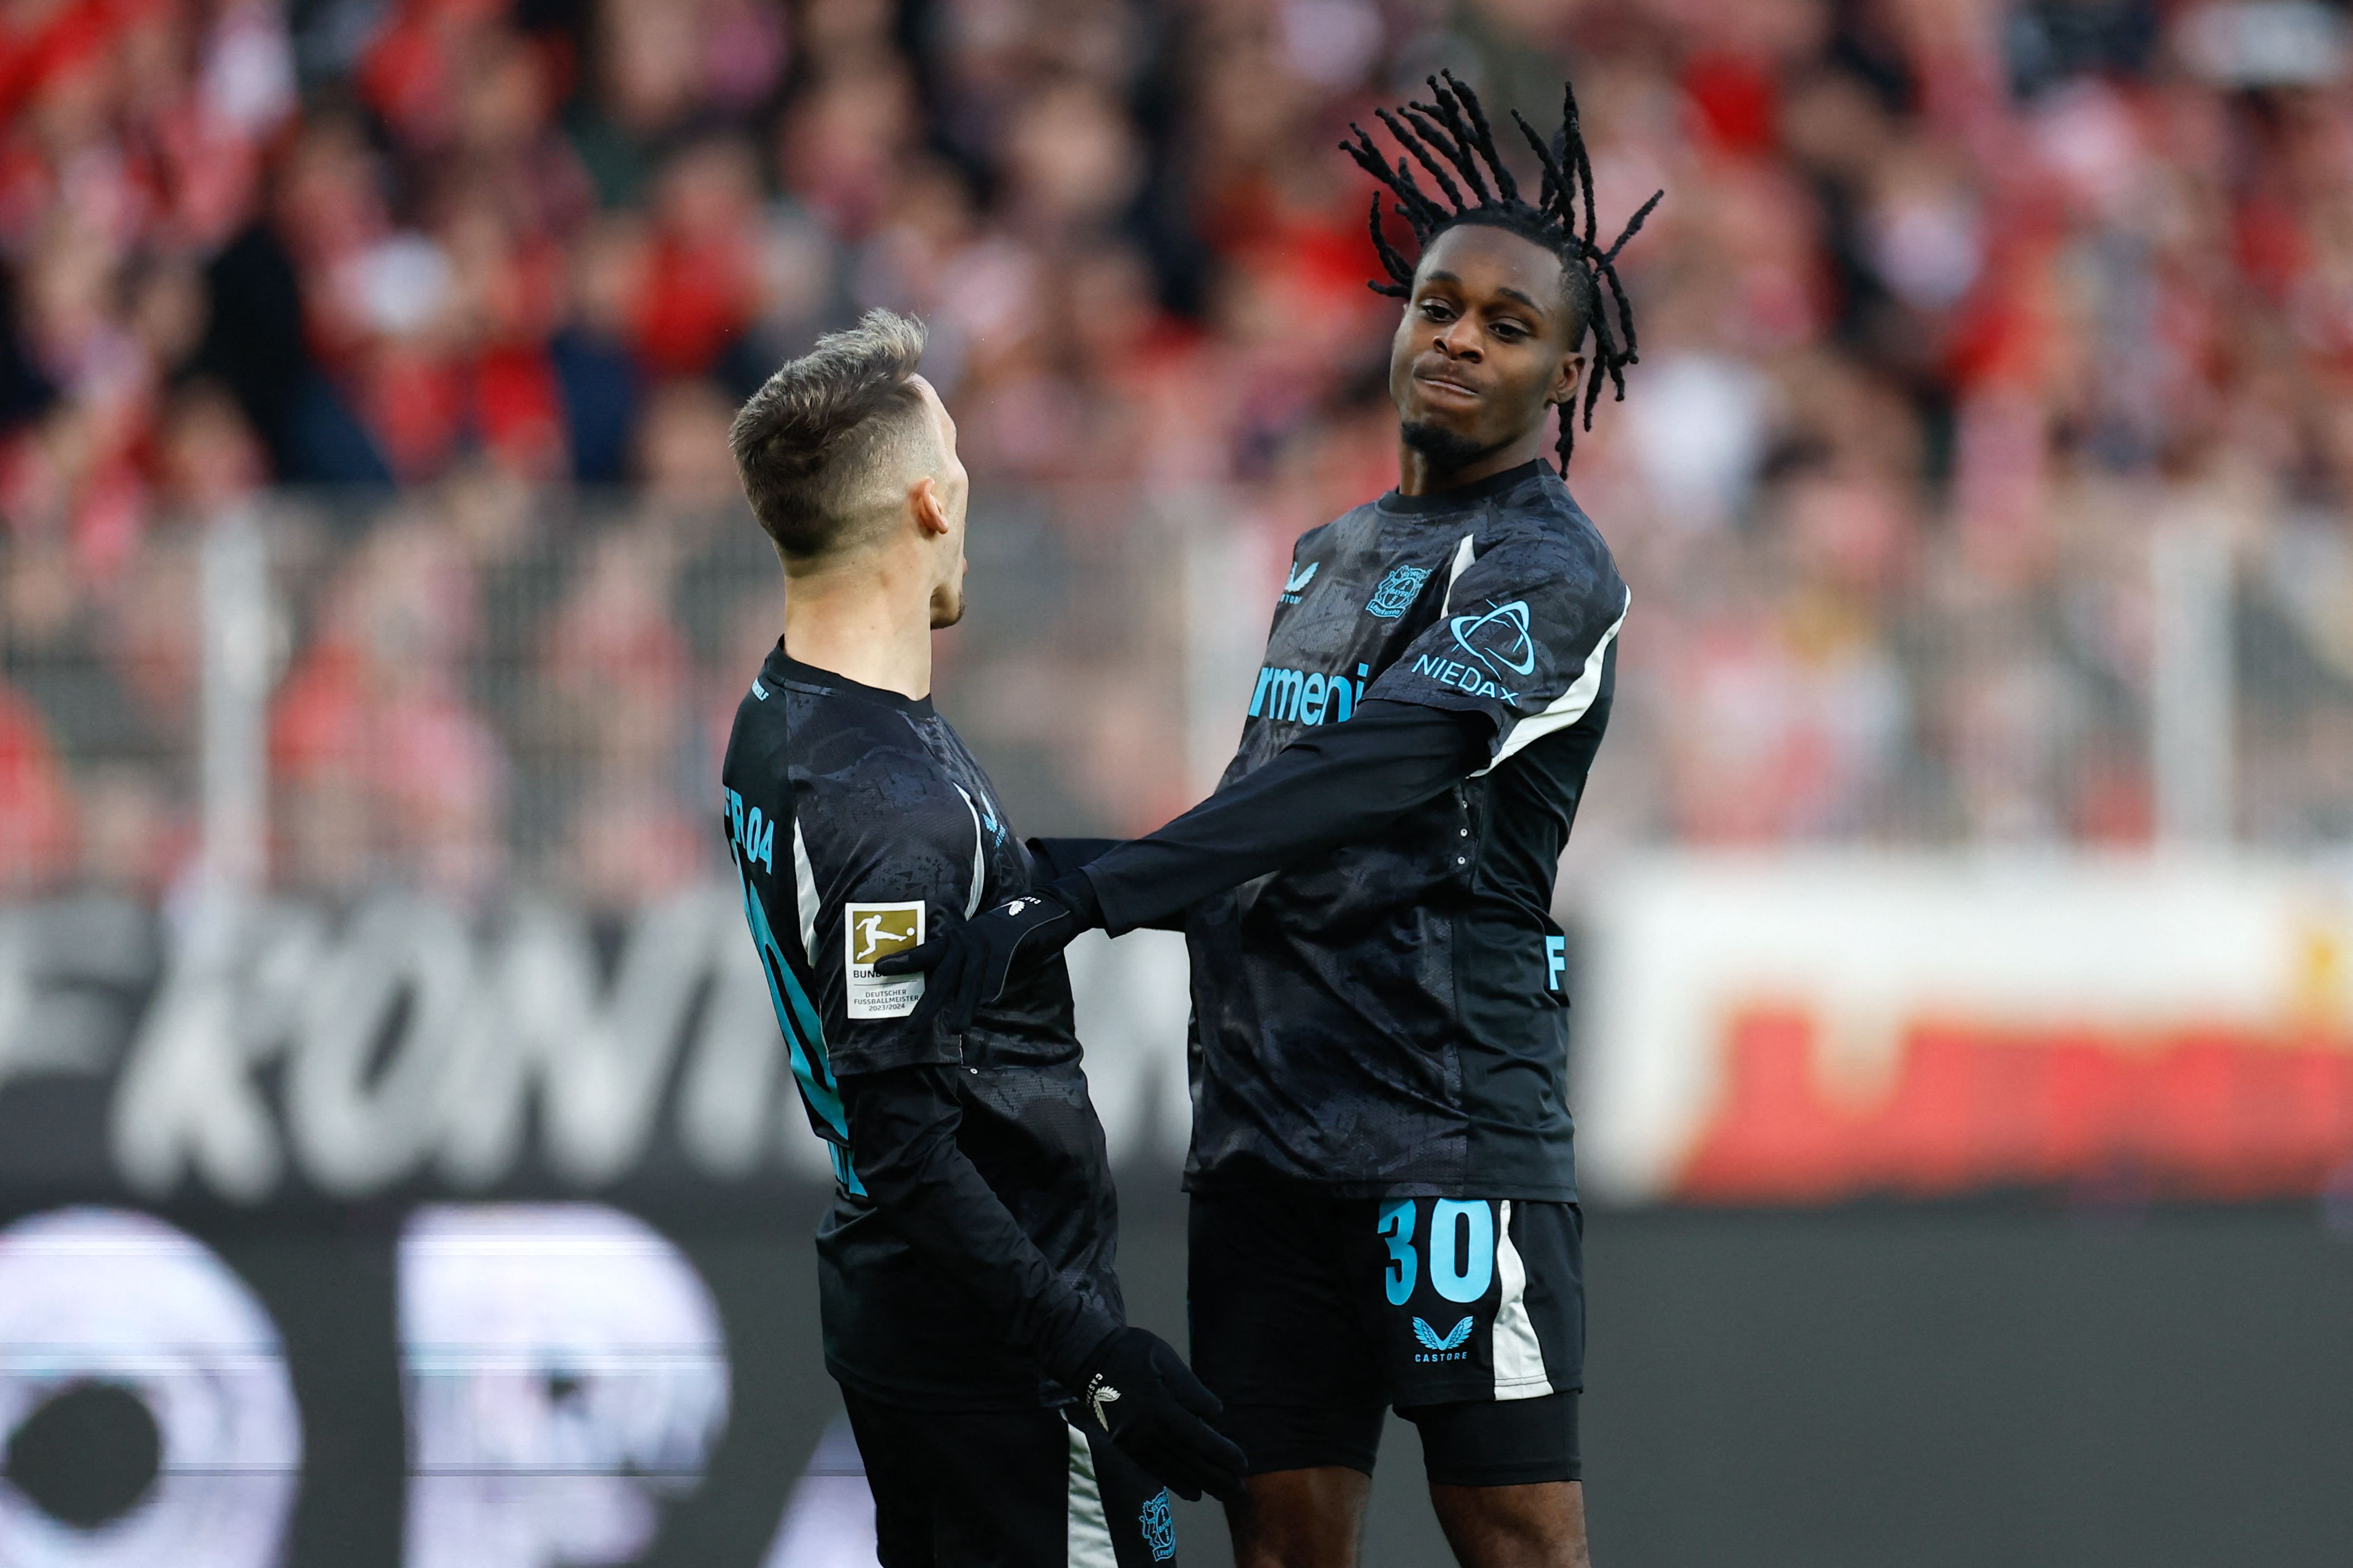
1499 715
1071 1359
1058 857
1114 912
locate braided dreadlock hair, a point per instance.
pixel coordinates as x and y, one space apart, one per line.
1453 131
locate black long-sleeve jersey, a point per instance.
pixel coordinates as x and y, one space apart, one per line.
967 1260
1386 1015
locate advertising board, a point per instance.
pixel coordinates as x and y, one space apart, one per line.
1810 1029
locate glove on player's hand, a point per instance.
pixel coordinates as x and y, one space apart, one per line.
968 967
1141 1393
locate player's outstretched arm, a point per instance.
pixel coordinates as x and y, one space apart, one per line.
1334 785
1337 785
1056 858
902 1127
1554 605
1060 857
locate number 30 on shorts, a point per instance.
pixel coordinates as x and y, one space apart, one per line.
1462 1247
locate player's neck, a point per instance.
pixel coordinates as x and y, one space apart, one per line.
1419 474
871 622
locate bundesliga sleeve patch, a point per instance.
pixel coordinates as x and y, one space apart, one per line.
870 932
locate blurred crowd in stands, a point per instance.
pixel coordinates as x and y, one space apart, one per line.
1952 305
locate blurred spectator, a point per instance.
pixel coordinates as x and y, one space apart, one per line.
36 809
700 285
385 768
614 682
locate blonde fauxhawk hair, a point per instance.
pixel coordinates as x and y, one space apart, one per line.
821 445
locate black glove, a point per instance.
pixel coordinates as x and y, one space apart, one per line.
1140 1391
969 965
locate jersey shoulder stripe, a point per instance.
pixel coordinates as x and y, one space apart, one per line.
979 856
1571 705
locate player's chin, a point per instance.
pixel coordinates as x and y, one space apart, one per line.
1456 414
1450 442
947 607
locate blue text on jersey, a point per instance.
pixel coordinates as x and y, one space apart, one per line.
1461 677
796 1018
756 835
1307 696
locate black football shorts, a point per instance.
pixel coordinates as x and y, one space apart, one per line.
1005 1488
1313 1315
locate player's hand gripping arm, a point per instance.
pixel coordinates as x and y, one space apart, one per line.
1336 784
967 966
903 1128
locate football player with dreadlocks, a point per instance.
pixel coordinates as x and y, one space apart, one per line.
1384 1190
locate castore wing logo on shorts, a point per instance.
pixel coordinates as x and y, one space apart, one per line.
1395 596
1159 1527
1499 639
1451 1342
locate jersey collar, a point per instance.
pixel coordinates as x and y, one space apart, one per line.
1463 496
781 667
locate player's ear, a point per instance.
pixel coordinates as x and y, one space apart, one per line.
1564 383
929 507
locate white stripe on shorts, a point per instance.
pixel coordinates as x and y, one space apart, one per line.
1519 1358
1090 1528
